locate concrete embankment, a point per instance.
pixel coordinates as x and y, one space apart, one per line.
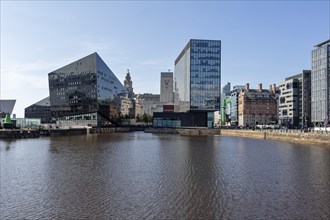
35 133
21 133
281 135
17 134
108 130
63 131
197 131
161 130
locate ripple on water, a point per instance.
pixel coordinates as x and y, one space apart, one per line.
146 176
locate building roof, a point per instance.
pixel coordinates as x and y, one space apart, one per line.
149 97
254 93
323 43
7 105
297 76
44 102
185 49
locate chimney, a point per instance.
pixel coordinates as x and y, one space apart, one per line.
274 88
259 87
247 87
271 88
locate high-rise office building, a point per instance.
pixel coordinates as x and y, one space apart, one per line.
320 88
196 86
226 89
198 75
166 87
294 100
78 89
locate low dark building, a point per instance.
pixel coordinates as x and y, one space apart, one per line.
40 110
181 119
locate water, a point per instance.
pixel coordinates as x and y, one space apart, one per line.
148 176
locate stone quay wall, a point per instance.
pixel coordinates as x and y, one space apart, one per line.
17 134
108 130
63 131
197 131
161 130
282 135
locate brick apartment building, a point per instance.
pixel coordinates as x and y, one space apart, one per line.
257 106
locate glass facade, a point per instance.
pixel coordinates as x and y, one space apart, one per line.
40 110
320 83
226 89
77 88
198 74
28 122
234 104
161 122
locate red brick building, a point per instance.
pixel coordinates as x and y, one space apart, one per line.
257 106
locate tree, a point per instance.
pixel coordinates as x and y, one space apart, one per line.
119 118
126 118
145 118
150 118
138 118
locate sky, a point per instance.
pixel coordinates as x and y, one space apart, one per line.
262 41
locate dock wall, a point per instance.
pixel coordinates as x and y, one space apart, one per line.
281 135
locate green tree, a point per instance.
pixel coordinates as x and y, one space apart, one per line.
145 118
138 118
150 119
119 118
126 118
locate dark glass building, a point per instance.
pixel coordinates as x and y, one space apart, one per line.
78 90
40 110
198 75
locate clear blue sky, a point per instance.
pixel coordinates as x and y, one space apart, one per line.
262 41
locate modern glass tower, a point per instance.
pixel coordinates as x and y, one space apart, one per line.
198 76
78 89
320 79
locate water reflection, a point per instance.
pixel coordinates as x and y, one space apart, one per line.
146 176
